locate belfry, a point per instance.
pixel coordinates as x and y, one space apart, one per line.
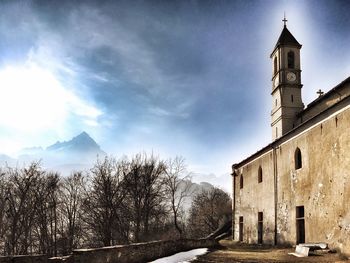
286 83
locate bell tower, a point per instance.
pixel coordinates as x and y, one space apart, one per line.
286 83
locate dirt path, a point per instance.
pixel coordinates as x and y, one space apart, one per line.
233 252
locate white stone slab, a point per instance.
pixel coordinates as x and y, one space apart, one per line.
182 257
300 251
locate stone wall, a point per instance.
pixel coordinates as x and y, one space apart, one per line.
133 253
141 252
24 259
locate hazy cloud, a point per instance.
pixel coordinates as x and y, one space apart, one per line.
186 77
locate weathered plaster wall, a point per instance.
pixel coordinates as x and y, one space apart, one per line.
255 197
321 185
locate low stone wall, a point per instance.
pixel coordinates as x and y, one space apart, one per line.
133 253
140 252
36 259
24 259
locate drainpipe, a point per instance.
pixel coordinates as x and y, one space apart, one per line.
233 202
275 174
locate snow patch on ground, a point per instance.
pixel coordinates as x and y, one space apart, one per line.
182 257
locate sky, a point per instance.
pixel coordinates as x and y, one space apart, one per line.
176 78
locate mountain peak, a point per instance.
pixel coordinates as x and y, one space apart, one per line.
84 134
81 142
84 139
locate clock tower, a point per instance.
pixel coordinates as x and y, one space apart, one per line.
286 83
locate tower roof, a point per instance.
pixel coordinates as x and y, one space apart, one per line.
286 38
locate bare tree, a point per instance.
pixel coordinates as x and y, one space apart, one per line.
117 202
21 207
46 198
209 209
177 188
104 198
71 197
3 208
144 185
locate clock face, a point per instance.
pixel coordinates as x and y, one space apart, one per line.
291 76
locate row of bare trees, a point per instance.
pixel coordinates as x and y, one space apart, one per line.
28 201
115 202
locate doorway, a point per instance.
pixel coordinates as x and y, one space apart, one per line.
300 224
241 228
260 227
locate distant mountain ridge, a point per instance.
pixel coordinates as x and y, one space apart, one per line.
81 142
81 152
7 160
76 154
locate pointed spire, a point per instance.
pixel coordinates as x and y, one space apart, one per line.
286 38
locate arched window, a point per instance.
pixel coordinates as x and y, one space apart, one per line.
290 59
275 65
241 182
297 159
260 175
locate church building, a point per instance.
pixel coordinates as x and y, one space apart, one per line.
297 188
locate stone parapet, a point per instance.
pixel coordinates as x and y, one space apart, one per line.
139 252
133 253
24 259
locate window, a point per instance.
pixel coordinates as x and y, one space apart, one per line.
241 182
275 65
297 159
291 98
260 178
290 59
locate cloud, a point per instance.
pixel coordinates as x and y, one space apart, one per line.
186 77
35 100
